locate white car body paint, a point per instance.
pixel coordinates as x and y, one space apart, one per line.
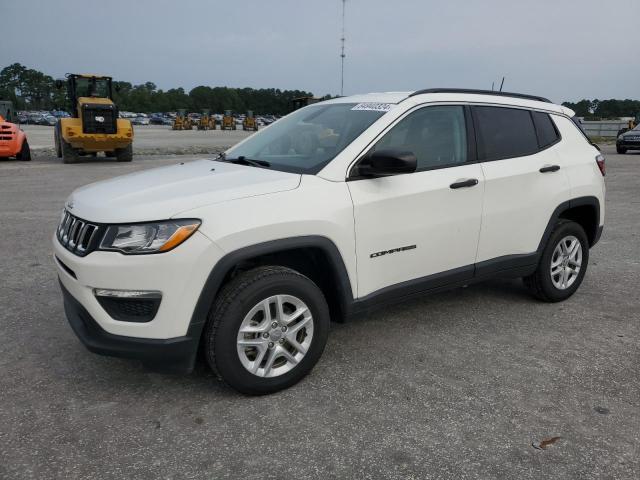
241 206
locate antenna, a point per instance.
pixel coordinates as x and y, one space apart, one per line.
501 84
342 55
493 84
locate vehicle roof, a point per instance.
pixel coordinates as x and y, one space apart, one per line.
455 95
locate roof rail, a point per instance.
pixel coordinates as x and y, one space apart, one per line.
481 92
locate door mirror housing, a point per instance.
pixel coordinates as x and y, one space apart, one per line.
384 163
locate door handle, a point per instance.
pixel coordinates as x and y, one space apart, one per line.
471 182
550 168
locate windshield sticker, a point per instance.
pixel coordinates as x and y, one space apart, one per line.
376 107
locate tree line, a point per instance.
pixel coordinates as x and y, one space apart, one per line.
30 89
605 109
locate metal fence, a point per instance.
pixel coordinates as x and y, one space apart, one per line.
603 128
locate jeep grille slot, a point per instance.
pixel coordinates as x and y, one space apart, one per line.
77 235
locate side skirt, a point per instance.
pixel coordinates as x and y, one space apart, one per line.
510 266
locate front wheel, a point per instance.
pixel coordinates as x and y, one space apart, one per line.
267 330
621 150
563 263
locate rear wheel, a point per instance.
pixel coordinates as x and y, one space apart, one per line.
563 263
267 330
25 152
125 154
69 154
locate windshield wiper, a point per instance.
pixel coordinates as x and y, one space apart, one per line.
242 160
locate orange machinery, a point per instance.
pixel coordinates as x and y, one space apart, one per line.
13 141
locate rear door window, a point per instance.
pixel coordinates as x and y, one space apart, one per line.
504 133
546 129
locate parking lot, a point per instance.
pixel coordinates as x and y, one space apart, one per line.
454 385
150 140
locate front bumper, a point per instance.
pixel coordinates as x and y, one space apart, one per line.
173 355
635 145
179 275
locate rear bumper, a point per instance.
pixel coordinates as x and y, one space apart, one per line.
173 355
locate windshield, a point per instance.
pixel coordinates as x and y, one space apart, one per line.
92 87
308 139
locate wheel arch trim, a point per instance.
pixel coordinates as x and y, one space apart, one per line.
588 201
230 260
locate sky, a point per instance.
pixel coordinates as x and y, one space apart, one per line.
562 49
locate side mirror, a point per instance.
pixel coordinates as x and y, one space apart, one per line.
117 88
59 84
383 163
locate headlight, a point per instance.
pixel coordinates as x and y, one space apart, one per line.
152 237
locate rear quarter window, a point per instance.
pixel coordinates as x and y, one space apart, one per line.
545 129
504 132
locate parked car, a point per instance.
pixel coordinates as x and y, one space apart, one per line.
157 120
48 120
336 209
140 121
629 140
34 118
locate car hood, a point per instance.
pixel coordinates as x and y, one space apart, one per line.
165 192
631 133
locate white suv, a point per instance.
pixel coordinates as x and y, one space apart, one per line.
337 208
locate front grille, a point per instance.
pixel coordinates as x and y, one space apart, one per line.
97 118
77 235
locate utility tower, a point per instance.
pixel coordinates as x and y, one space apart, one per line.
342 39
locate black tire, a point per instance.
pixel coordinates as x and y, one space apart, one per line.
56 140
231 306
540 283
124 154
621 150
69 154
25 152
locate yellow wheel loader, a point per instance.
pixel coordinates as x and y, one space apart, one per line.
249 122
182 121
94 126
205 121
228 121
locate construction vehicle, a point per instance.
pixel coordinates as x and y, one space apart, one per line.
182 121
249 122
228 121
94 125
206 121
13 141
300 102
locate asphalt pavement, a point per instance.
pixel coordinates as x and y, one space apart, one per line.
460 384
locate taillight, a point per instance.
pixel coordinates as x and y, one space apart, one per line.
601 165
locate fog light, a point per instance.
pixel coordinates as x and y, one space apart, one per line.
129 305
